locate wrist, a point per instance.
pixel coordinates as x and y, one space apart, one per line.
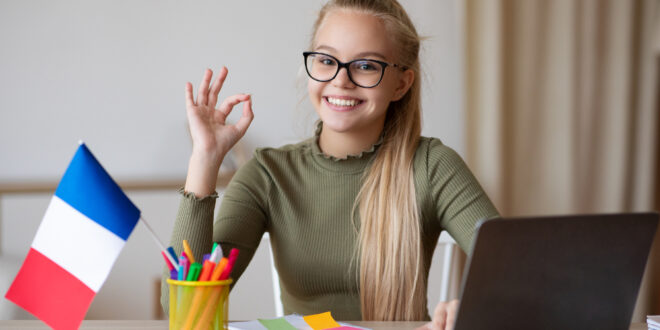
206 165
208 159
202 174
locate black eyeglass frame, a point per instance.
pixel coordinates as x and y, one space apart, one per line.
346 65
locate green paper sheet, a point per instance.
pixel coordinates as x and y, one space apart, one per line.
276 324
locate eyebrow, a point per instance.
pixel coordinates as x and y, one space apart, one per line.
360 55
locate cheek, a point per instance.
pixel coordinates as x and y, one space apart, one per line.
314 90
382 97
389 85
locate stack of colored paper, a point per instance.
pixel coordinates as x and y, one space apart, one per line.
653 322
321 321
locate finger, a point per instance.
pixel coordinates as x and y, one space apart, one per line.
217 86
189 96
245 120
440 316
452 308
203 91
229 103
439 320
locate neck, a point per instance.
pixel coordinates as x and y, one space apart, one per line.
344 144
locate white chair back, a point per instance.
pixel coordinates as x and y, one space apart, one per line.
277 294
449 274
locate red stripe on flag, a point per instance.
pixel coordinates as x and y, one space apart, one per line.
50 293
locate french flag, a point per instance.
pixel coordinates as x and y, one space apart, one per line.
83 231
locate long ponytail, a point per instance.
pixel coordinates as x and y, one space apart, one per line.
391 277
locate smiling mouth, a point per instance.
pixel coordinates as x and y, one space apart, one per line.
342 103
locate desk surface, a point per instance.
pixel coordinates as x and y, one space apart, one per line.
159 325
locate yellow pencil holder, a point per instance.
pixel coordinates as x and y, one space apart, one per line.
199 305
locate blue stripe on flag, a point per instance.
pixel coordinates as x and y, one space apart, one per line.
88 188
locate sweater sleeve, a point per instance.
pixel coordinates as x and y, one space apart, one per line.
460 201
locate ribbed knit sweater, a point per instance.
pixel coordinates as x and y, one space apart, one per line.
304 199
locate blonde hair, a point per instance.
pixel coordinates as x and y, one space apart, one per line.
391 280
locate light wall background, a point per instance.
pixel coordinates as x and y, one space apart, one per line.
112 73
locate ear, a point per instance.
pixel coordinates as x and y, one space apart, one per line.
406 79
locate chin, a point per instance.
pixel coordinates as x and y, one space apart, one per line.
337 124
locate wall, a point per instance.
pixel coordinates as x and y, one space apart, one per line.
112 73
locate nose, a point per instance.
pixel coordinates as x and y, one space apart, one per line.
342 80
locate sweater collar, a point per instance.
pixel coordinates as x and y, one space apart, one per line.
352 163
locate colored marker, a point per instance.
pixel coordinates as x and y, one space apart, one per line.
173 254
218 269
179 274
188 250
207 270
174 274
183 269
218 252
193 273
233 255
214 255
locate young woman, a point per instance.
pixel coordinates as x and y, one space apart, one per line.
353 213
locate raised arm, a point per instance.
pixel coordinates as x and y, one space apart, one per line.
212 138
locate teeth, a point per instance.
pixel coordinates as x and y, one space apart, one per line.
342 102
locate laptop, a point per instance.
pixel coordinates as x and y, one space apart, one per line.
562 272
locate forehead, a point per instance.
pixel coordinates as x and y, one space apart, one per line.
348 33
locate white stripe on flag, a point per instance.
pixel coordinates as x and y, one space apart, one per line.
81 246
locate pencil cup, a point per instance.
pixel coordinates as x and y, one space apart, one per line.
198 305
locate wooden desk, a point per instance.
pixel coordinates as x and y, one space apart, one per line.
161 325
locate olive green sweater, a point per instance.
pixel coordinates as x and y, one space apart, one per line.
303 199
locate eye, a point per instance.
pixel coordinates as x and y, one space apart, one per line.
324 60
366 66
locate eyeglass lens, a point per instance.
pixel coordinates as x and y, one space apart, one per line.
364 73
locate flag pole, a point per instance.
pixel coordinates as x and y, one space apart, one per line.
158 242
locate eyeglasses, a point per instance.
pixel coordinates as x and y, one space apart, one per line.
362 72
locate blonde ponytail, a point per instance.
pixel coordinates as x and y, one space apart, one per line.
391 279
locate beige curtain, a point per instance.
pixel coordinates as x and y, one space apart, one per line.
561 107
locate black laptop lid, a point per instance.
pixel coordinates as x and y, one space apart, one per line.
568 272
